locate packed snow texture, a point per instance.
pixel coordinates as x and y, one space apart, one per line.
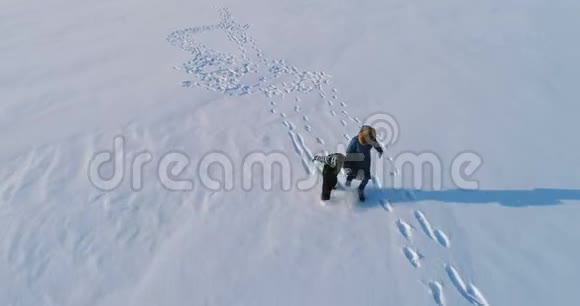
224 82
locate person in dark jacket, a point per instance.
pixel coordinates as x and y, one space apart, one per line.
358 157
332 165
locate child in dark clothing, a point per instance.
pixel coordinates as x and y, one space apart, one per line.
332 165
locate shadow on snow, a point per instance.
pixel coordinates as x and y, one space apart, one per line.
511 198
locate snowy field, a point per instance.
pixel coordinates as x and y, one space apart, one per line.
159 152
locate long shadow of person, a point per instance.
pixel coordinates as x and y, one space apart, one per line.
510 198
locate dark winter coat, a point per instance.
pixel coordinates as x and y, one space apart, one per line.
358 155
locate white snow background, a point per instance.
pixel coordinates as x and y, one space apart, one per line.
495 78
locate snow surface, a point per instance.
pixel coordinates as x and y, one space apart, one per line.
498 78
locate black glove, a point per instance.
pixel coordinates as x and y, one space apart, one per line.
380 150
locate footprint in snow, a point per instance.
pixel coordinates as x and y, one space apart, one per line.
437 235
469 291
442 238
425 225
289 125
413 256
437 292
405 229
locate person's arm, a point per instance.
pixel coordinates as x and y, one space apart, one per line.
372 140
379 148
330 160
319 158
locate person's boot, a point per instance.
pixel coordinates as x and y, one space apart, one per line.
361 195
325 196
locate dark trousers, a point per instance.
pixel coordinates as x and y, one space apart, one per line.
364 174
328 183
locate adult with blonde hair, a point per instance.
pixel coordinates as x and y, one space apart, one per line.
358 158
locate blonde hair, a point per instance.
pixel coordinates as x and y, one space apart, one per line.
367 135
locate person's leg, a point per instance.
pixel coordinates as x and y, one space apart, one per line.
328 182
333 181
366 176
354 173
363 184
351 175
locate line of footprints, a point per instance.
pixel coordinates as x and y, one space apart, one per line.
436 288
307 83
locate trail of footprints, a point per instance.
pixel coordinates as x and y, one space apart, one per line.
468 291
225 72
435 288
